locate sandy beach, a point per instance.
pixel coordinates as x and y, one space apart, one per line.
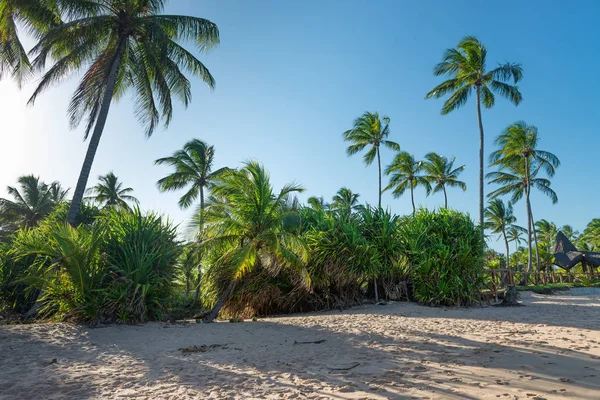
549 349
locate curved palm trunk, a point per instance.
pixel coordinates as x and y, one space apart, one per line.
412 198
210 317
379 166
95 139
481 144
445 197
527 190
197 292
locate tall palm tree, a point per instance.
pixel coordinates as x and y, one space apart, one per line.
517 151
345 201
194 172
440 173
499 217
36 17
466 64
370 131
405 174
31 203
250 224
110 193
127 44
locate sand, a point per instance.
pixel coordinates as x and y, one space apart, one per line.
546 350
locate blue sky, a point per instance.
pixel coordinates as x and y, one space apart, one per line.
292 76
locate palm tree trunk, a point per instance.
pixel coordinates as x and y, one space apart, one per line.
95 139
379 204
412 198
445 197
210 317
535 240
481 148
507 255
201 236
527 189
379 165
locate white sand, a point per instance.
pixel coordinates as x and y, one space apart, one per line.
549 349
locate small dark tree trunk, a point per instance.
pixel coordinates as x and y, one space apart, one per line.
210 317
510 297
95 139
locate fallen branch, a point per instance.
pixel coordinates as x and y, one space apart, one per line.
344 369
312 342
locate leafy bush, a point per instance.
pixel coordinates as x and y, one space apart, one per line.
141 253
443 251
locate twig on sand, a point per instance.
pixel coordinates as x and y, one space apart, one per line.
344 369
311 342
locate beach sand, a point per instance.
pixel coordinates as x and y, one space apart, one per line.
549 349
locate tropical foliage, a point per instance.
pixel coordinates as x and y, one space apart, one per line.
405 174
441 174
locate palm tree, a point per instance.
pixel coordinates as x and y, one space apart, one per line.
547 232
404 171
466 64
513 233
317 203
31 203
193 171
345 201
368 130
440 172
128 44
499 217
250 223
36 17
518 152
110 193
193 168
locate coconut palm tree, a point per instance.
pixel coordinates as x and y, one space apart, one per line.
345 201
127 44
546 231
317 203
466 64
370 131
36 17
193 170
31 202
513 234
517 151
404 172
499 217
110 193
250 224
440 173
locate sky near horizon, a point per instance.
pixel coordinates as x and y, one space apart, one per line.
292 76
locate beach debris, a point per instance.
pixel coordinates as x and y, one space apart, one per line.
202 348
344 368
236 320
311 342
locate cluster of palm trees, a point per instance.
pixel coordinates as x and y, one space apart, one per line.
33 200
435 173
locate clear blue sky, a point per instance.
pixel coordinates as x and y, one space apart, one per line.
292 76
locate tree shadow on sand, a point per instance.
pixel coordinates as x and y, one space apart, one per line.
398 356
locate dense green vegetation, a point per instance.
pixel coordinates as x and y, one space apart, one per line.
255 250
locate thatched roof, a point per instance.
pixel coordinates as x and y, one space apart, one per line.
566 255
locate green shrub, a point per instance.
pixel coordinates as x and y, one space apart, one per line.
141 253
443 251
